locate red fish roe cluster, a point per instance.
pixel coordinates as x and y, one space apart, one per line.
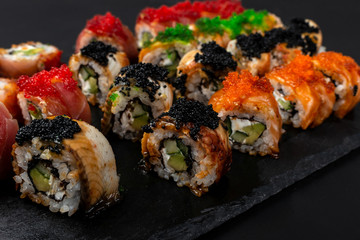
42 84
184 11
107 25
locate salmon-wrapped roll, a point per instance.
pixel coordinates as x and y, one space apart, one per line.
63 164
110 30
140 93
247 105
28 58
8 96
168 48
201 72
8 130
95 68
52 93
151 21
223 30
305 97
189 145
259 53
345 75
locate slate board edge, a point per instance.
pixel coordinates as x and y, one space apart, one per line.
214 217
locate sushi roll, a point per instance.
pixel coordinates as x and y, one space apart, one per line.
108 29
65 164
247 105
139 93
305 96
28 58
151 21
8 130
8 96
188 144
168 48
95 68
52 93
344 73
201 72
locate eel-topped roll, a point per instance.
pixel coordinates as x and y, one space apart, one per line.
95 68
201 72
169 47
63 163
304 95
250 111
52 93
139 93
345 75
188 144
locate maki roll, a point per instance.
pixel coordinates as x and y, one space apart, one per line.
345 75
169 47
139 93
52 93
65 164
151 21
8 96
95 68
8 130
189 145
28 58
108 29
201 72
305 97
247 105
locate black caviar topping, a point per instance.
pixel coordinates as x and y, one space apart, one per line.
54 131
189 111
215 56
98 51
253 45
179 83
300 25
146 76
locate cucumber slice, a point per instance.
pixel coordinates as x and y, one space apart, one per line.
43 170
40 181
83 73
138 110
93 85
254 131
90 71
140 121
34 111
171 147
183 148
286 105
228 125
239 136
177 162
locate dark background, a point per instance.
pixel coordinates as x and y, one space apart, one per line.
322 206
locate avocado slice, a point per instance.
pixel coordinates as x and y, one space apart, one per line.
138 110
171 146
93 85
90 71
140 121
286 105
239 136
40 180
183 148
83 73
254 131
177 162
228 125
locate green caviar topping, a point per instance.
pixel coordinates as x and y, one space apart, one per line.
178 33
210 26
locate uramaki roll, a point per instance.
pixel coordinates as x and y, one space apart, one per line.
64 164
28 58
189 145
345 75
304 95
140 93
201 72
52 93
95 68
250 111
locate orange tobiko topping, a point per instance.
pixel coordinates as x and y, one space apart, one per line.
330 59
42 84
239 87
107 25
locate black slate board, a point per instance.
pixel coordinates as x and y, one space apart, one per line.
157 208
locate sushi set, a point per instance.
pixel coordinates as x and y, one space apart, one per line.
202 93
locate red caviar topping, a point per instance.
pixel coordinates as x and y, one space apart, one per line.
192 11
238 88
107 25
42 83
